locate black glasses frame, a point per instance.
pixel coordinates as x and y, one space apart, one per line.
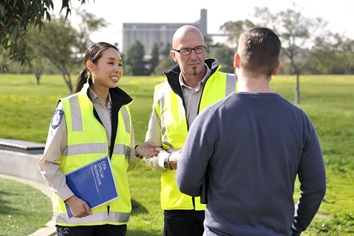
188 51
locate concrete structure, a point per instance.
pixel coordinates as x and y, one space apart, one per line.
149 33
21 146
18 162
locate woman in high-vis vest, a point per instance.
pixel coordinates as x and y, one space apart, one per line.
92 123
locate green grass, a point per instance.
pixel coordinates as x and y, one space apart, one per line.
22 209
328 100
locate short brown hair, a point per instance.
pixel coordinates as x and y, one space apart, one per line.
259 50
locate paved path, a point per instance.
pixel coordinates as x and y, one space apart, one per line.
50 226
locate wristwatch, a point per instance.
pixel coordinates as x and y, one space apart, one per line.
166 163
139 156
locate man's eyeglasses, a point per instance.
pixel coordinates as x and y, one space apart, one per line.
188 51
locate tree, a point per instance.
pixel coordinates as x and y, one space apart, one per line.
61 45
234 29
338 58
135 59
154 60
166 61
56 43
89 24
208 41
221 52
17 17
36 65
298 34
225 56
4 59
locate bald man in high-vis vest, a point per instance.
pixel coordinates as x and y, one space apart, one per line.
192 84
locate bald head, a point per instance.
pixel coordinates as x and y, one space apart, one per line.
187 33
189 51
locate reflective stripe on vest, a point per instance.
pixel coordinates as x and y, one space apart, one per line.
87 141
97 148
114 219
169 107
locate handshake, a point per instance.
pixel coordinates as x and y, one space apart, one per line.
146 149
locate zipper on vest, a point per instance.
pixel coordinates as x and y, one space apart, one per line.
108 210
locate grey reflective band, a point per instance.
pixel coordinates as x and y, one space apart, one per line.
161 102
163 126
126 118
87 148
119 217
121 149
76 117
97 217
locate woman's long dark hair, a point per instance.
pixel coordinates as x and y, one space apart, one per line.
93 53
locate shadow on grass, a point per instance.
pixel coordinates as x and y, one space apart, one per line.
5 206
137 208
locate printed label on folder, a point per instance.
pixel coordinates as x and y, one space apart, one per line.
94 183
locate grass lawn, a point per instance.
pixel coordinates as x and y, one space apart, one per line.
23 209
26 110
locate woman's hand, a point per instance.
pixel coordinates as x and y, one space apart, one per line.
147 149
78 207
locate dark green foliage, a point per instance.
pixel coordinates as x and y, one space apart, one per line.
17 17
166 61
135 59
225 56
154 60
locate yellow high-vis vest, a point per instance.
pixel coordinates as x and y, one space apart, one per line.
169 107
87 142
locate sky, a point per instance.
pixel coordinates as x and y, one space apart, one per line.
339 14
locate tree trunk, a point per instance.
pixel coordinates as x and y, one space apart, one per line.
297 89
67 79
38 77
